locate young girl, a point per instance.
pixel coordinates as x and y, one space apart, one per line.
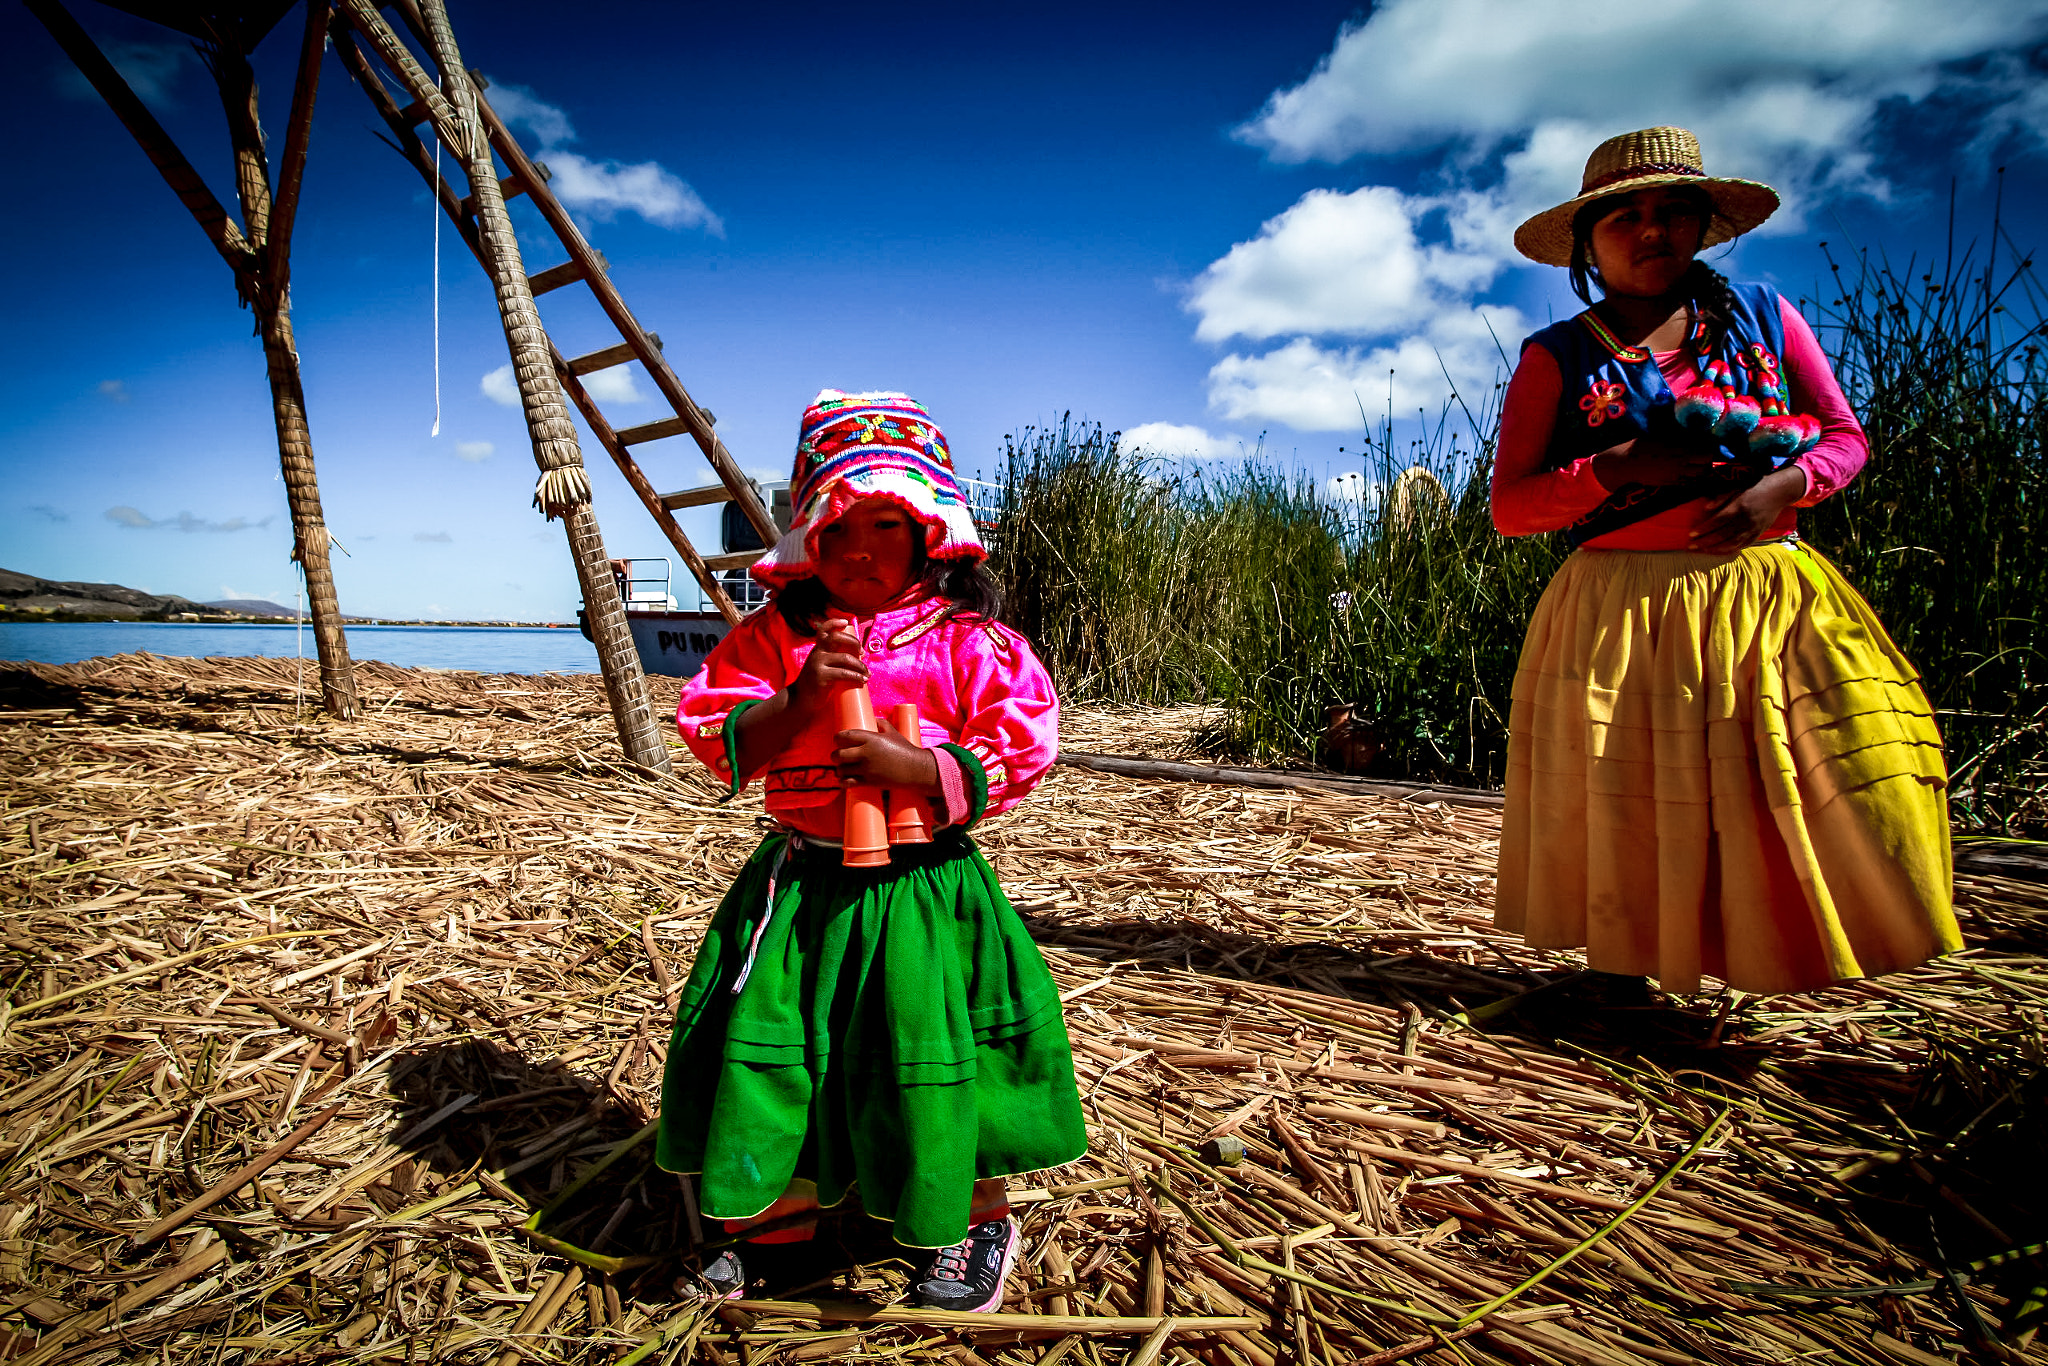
1718 762
890 1027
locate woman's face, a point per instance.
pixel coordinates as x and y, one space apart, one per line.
1646 242
865 558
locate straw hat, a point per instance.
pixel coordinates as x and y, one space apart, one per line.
1644 160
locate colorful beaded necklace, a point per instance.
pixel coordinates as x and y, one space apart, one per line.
1636 355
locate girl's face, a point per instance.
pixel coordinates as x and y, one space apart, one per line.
865 558
1643 245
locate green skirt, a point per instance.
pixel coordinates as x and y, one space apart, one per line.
897 1028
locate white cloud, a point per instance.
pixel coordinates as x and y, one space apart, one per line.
1418 73
1785 91
1507 98
184 521
1336 263
500 388
1351 487
1180 440
1313 388
434 537
604 189
520 106
115 391
474 451
151 70
614 385
601 188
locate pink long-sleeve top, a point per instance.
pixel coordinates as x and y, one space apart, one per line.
1527 498
983 699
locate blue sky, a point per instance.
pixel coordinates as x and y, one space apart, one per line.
1197 224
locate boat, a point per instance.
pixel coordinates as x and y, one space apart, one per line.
673 639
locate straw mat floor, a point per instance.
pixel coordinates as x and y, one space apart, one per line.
332 1042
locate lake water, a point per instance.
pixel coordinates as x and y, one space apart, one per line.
487 649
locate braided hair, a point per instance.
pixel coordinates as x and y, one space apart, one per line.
1706 287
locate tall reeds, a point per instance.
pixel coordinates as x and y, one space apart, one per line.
1946 532
1148 580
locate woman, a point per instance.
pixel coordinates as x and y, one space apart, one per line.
1718 762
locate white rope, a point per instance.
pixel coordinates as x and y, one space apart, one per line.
299 645
434 200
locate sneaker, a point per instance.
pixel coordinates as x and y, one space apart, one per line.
723 1277
969 1275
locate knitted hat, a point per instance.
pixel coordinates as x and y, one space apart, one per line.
1645 160
880 445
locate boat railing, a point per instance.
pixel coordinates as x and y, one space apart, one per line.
984 502
739 585
642 589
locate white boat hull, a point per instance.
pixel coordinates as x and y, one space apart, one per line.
671 643
675 643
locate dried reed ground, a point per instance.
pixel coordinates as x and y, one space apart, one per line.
433 952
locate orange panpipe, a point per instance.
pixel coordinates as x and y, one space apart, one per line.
867 825
910 813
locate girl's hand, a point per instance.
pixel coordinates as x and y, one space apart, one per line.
834 662
886 759
1732 523
1650 461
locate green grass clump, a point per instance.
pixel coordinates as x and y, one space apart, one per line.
1155 581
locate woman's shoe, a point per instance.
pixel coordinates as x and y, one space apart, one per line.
968 1276
1611 991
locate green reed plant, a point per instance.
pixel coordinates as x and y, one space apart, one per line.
1145 580
1091 552
1946 531
1438 603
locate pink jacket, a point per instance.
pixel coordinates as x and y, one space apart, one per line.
979 690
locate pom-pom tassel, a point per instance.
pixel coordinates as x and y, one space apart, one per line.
1776 437
1809 432
1741 418
1700 408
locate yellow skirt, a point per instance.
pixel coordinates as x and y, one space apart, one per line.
1721 764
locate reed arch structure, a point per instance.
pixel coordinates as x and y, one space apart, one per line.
404 57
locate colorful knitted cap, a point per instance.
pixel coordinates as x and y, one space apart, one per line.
880 445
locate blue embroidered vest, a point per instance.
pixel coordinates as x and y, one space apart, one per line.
1614 393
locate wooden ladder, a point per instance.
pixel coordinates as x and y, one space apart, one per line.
588 267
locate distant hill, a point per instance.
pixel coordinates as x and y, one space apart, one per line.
252 607
27 593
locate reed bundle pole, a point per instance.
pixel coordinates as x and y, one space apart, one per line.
259 253
268 218
563 490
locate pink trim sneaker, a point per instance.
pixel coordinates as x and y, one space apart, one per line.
968 1276
723 1278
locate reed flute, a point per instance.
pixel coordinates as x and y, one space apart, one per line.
876 817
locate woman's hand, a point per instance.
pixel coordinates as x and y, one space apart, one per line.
886 759
1736 521
834 662
1651 461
